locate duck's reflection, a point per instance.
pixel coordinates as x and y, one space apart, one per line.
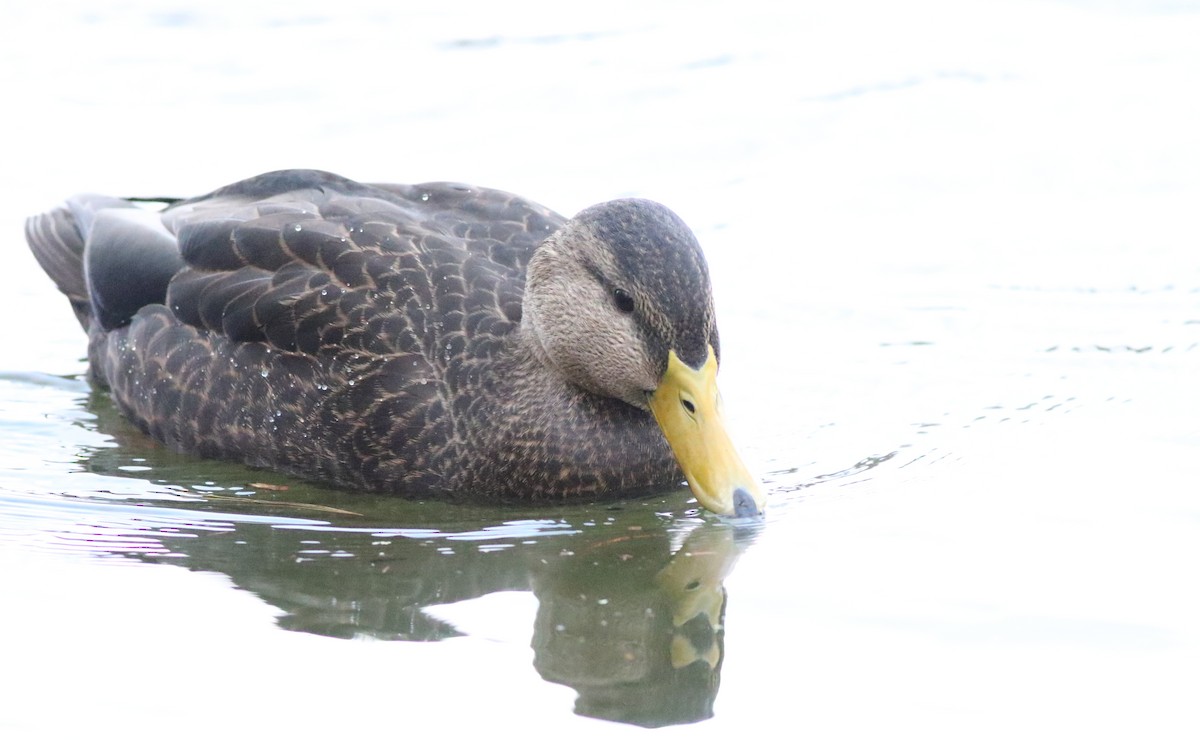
631 623
631 602
635 629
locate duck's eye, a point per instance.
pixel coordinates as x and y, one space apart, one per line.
623 300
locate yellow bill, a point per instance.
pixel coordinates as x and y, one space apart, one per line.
687 406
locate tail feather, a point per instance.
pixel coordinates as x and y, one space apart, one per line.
107 255
57 244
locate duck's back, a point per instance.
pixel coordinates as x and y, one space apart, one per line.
299 320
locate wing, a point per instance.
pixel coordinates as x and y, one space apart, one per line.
309 262
324 326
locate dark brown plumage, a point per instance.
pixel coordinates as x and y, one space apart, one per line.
380 337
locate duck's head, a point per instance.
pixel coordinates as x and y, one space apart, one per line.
620 303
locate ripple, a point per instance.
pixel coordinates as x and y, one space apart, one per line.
74 383
93 526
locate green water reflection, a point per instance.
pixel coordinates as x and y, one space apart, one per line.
630 595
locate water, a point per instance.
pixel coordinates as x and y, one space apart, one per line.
954 252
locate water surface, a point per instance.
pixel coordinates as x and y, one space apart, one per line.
954 253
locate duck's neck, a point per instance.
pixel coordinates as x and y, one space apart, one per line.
527 347
555 440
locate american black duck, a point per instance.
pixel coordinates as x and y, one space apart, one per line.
434 339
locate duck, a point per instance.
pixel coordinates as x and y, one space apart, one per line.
436 339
